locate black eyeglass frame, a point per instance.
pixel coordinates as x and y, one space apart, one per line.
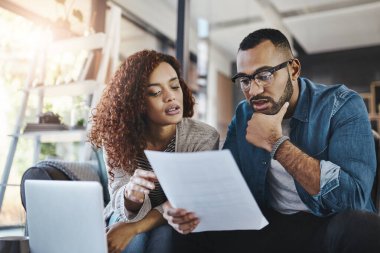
271 70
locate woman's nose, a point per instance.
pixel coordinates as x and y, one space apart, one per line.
169 96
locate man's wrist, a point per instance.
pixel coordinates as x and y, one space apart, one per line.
277 144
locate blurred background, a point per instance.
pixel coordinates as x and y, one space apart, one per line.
337 41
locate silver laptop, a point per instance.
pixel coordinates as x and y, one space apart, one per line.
65 217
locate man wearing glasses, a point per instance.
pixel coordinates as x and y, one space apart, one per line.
307 153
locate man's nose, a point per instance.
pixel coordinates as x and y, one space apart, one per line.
255 89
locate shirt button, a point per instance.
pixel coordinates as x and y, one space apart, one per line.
264 162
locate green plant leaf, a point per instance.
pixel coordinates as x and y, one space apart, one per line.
78 14
48 149
80 123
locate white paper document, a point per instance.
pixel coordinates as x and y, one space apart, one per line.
208 183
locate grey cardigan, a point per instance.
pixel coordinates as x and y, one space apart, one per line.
191 136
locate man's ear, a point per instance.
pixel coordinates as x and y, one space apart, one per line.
295 69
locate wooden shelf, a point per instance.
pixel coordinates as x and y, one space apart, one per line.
79 135
372 102
70 89
375 92
368 101
90 42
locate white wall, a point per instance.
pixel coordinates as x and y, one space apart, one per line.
219 62
163 17
153 12
159 15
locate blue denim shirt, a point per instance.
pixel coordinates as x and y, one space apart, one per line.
330 123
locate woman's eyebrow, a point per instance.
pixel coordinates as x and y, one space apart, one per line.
157 84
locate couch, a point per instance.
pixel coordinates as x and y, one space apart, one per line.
94 170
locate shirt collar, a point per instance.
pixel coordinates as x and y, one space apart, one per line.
303 102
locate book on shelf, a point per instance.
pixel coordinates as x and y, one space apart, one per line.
33 127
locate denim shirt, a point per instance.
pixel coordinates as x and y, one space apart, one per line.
330 123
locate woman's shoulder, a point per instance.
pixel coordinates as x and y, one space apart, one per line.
188 125
194 135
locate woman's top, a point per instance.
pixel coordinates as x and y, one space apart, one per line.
157 195
191 136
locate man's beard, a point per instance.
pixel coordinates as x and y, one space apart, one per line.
276 106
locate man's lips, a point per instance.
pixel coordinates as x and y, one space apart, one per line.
259 104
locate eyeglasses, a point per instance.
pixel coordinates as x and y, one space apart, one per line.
263 78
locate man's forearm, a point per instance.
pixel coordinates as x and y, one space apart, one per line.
152 220
302 167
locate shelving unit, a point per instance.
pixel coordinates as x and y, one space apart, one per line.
85 87
80 87
106 46
71 135
372 101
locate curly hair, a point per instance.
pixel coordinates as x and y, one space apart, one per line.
118 123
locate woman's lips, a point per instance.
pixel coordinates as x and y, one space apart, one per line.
173 110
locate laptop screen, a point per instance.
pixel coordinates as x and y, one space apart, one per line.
65 216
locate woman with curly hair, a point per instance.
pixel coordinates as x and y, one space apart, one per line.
146 106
